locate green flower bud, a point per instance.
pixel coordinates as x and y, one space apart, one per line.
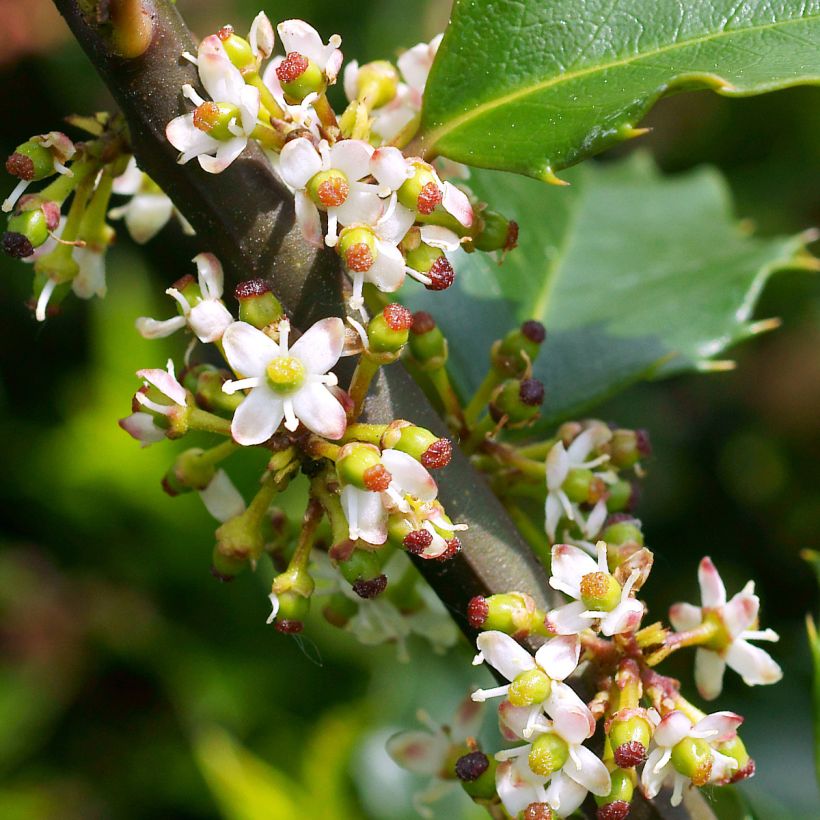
237 48
433 263
583 486
377 83
239 539
293 609
529 688
433 452
205 382
389 330
300 76
189 472
339 609
736 749
427 343
33 225
510 355
357 247
692 757
421 192
627 447
548 754
257 305
629 740
361 465
600 592
620 494
476 771
520 401
497 233
508 612
226 567
362 570
623 532
623 788
31 162
213 118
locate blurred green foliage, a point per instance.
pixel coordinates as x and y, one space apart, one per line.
132 685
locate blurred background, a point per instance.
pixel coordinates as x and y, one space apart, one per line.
132 685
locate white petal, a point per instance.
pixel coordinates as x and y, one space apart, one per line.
753 664
389 120
624 618
564 795
387 271
261 37
221 78
299 36
257 417
187 138
210 275
557 466
457 204
740 613
307 217
504 654
165 382
248 350
351 80
440 237
717 727
209 320
221 498
467 720
141 426
582 445
146 215
558 657
709 668
684 617
365 514
248 108
129 181
553 512
226 153
592 774
389 166
298 162
352 157
571 716
712 591
394 227
418 751
569 565
415 64
320 347
409 476
90 279
672 729
319 410
362 207
567 620
653 775
515 790
150 328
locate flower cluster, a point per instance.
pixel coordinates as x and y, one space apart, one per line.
648 725
373 500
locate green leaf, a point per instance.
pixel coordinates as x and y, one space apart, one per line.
633 274
533 86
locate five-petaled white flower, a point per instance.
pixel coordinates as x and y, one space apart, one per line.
697 761
330 179
200 302
734 624
218 130
286 383
299 37
148 210
599 598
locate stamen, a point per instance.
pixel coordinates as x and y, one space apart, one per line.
190 94
291 422
419 277
233 385
183 302
42 301
163 409
12 198
480 695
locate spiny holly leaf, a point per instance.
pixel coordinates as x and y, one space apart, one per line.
633 274
533 86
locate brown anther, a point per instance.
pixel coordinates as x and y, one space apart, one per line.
423 322
746 772
471 766
17 245
453 549
51 211
629 754
429 196
595 585
225 33
537 811
333 192
359 258
377 478
614 811
441 274
183 282
205 116
251 288
438 454
20 166
701 775
292 67
534 331
397 317
288 627
512 236
477 611
372 588
417 541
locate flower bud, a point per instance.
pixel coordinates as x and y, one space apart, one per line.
427 343
257 305
362 570
433 452
293 609
188 472
629 740
239 539
548 754
617 804
421 192
736 749
357 247
692 757
339 609
389 330
476 771
205 382
626 531
213 118
377 83
300 76
361 465
31 162
237 48
583 487
620 496
509 612
529 688
497 233
627 447
225 567
433 263
519 401
510 355
27 230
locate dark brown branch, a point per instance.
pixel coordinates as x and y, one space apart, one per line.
245 216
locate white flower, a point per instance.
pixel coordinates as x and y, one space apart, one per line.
297 36
148 210
330 179
592 585
285 383
736 623
414 65
202 311
560 460
430 752
556 660
672 730
301 114
140 426
216 132
518 786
